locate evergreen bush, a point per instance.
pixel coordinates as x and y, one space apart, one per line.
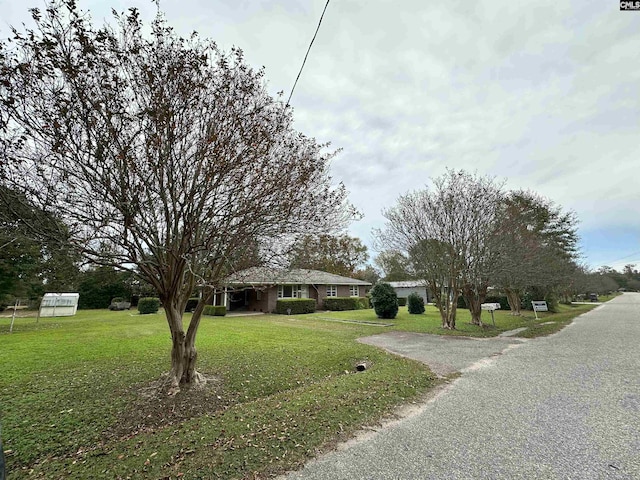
342 303
416 304
385 300
215 310
148 305
501 299
297 306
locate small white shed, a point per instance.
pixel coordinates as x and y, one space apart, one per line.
59 304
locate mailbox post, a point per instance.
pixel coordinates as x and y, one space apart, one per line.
491 307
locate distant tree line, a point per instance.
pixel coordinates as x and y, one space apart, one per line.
606 279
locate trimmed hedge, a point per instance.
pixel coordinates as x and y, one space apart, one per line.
342 303
191 304
416 304
297 306
148 305
215 310
364 302
402 301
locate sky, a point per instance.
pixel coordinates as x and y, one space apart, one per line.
543 95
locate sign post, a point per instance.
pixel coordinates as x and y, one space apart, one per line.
491 307
539 306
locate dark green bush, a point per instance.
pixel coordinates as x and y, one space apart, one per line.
342 303
501 299
297 306
402 301
385 300
539 294
215 310
191 304
148 305
416 304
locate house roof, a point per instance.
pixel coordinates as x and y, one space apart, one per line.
408 284
274 276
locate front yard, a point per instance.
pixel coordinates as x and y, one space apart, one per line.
430 322
77 396
77 401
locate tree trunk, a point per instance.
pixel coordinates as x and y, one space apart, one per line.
513 296
183 350
473 300
444 305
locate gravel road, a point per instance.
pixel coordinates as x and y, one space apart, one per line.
560 407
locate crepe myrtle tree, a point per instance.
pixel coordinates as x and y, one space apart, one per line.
447 234
167 150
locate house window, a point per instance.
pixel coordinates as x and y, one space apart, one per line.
293 291
354 291
332 291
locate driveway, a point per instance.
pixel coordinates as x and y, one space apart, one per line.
443 354
560 407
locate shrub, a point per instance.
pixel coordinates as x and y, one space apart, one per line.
402 301
363 303
191 304
416 304
501 299
215 310
385 300
342 303
297 306
536 294
148 305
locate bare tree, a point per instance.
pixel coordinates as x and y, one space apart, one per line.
167 150
446 233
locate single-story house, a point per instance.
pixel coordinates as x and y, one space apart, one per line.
405 288
258 289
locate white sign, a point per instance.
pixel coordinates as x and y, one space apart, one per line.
539 306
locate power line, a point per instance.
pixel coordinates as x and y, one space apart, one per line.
307 54
623 258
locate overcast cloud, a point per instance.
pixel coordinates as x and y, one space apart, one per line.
544 94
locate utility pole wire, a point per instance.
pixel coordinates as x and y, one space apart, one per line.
307 54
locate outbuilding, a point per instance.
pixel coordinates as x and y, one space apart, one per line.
59 304
405 288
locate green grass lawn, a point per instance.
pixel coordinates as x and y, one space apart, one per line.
430 322
76 393
606 298
72 400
